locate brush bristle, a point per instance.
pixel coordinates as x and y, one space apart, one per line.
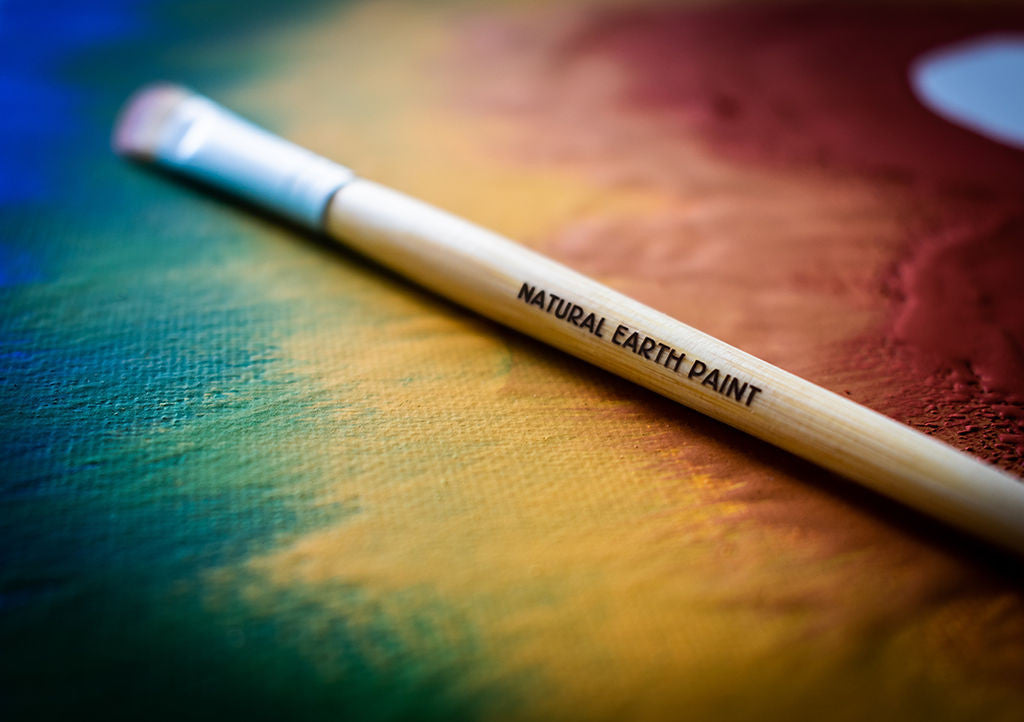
142 120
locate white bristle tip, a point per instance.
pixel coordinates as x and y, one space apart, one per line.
141 120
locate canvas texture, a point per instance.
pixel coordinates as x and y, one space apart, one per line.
248 473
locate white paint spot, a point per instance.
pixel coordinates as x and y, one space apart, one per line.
978 84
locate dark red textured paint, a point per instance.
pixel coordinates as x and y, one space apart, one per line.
828 86
822 85
964 301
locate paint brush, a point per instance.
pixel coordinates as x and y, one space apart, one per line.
504 281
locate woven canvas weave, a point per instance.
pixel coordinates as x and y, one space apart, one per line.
247 472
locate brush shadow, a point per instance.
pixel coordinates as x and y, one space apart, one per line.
966 549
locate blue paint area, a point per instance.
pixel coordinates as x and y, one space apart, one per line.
107 364
17 265
106 420
146 409
41 111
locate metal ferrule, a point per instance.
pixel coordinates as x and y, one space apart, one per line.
210 143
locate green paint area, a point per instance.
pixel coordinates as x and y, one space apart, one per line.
147 413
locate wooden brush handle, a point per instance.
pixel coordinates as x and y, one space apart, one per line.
533 294
178 129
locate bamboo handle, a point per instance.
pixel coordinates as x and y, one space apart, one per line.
191 134
533 294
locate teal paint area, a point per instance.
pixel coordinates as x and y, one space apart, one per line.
147 410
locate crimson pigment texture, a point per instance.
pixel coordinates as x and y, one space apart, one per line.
798 91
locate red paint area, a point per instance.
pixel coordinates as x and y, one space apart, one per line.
828 86
965 301
797 88
819 85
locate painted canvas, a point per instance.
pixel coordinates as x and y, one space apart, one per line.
248 474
